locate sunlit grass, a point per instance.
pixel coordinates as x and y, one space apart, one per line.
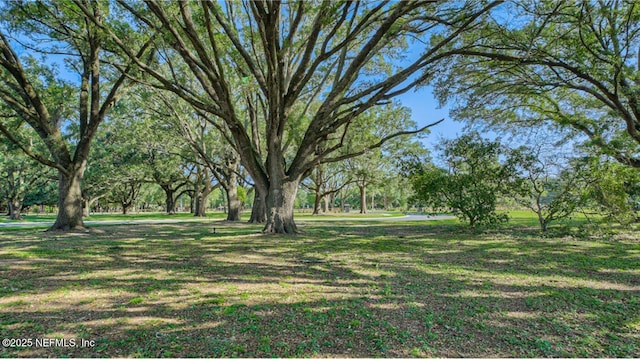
182 216
31 217
308 214
348 288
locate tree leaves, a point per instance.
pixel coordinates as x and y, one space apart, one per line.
572 64
477 173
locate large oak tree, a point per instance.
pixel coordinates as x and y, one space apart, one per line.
312 67
40 97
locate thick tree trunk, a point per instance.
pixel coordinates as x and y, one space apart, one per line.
197 202
363 198
326 200
200 210
233 202
15 209
280 200
169 202
201 204
259 208
69 202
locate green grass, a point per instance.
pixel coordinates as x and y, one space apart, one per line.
99 217
118 216
308 215
528 218
150 216
347 288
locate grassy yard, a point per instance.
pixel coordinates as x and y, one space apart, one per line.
217 215
31 217
398 289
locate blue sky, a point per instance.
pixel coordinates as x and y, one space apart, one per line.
425 109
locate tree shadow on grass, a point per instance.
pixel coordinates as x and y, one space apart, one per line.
338 290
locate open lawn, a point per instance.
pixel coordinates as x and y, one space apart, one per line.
96 217
185 216
340 289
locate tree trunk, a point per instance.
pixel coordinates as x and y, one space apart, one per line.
169 202
538 209
280 200
543 222
197 203
85 208
201 204
87 204
15 209
363 198
200 210
69 202
233 202
326 200
316 203
200 187
259 208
